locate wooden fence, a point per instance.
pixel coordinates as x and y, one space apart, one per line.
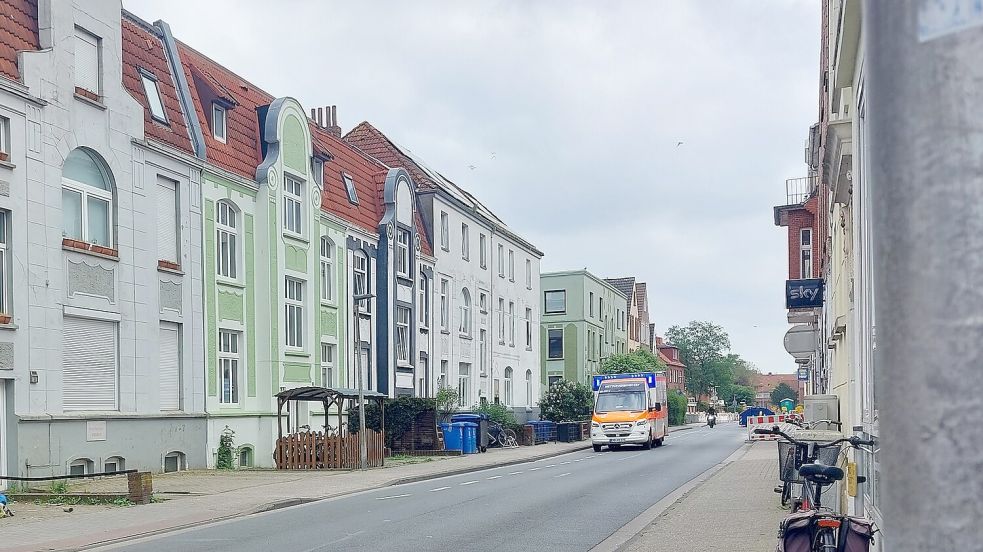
317 451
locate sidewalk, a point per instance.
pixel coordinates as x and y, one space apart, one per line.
198 497
735 509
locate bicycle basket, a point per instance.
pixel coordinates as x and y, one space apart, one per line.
786 461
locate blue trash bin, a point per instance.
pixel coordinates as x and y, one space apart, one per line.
469 431
453 438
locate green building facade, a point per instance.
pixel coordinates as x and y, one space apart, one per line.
579 326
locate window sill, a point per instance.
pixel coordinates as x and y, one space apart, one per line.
169 267
465 336
529 348
552 358
230 283
425 329
297 354
90 98
6 323
7 164
69 244
329 303
296 237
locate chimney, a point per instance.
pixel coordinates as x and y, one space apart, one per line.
332 122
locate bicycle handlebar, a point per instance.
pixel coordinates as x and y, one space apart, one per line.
854 441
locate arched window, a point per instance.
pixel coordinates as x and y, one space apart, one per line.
226 240
175 461
528 387
327 269
245 457
465 312
86 199
80 466
508 386
113 463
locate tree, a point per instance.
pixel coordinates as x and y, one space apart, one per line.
226 442
677 407
701 347
783 391
634 362
447 399
566 401
739 393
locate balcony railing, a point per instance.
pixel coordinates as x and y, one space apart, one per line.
799 190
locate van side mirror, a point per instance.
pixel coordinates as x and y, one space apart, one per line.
658 407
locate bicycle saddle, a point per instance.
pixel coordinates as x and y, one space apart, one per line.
821 474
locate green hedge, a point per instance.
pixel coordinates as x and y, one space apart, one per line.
677 407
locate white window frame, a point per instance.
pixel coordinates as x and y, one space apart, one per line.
465 327
4 272
360 273
444 304
465 242
5 136
403 316
511 324
501 261
511 265
350 188
442 378
327 270
445 232
85 191
403 252
328 352
230 363
293 312
464 384
528 387
172 226
154 100
482 251
507 394
423 305
483 302
805 253
501 321
227 232
528 274
220 120
528 329
483 351
293 206
96 42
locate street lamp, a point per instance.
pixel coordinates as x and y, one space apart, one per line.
362 453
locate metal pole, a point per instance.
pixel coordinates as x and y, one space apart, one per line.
362 456
925 175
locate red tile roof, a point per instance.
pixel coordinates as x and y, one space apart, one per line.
207 80
664 354
142 48
18 32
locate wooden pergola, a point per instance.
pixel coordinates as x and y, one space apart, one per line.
315 449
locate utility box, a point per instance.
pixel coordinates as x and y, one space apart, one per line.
822 407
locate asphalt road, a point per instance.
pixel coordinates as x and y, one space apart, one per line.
566 503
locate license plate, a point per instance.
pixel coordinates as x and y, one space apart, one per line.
617 440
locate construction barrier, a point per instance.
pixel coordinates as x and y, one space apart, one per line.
767 422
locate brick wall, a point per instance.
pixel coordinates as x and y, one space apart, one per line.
797 220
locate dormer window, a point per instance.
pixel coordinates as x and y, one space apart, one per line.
154 100
350 188
218 122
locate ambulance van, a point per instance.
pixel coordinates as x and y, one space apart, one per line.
629 409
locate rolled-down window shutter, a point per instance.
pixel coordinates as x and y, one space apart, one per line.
89 358
170 367
166 220
87 61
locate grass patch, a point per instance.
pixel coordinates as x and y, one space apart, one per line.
64 500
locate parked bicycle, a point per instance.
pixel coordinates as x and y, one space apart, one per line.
791 457
810 526
499 436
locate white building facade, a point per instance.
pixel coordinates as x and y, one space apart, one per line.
100 352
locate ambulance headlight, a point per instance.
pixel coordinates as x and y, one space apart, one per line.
595 424
641 423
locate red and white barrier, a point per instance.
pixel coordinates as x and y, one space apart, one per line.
766 422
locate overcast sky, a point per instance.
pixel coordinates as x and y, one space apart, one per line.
564 118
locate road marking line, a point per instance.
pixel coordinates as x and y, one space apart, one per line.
393 496
515 473
551 466
628 457
534 469
567 462
439 489
495 477
469 482
562 475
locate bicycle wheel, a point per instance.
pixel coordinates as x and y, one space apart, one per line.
786 493
825 541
